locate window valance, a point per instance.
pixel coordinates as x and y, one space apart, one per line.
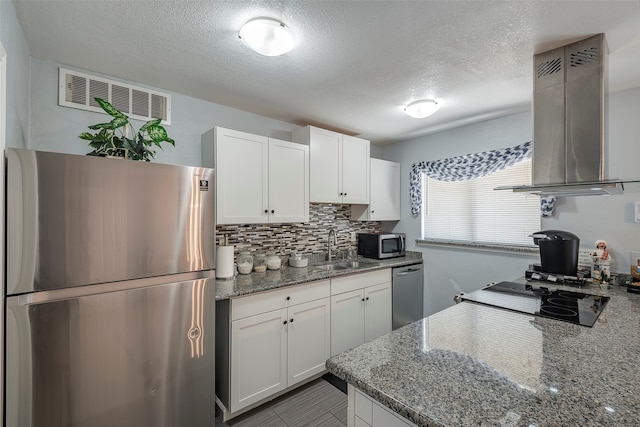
469 166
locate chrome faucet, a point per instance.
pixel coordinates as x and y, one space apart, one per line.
335 242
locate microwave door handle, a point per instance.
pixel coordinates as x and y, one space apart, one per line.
402 244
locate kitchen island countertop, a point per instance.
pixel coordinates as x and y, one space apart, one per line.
252 283
472 365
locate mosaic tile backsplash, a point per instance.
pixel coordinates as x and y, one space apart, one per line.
308 238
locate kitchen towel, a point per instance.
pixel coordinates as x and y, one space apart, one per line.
224 262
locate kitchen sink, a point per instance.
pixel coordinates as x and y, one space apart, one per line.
343 265
330 267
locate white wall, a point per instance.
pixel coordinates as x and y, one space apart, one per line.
451 270
448 270
55 128
15 96
17 124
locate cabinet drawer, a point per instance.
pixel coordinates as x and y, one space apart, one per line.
359 281
280 298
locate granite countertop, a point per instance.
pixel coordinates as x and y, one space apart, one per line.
472 365
245 284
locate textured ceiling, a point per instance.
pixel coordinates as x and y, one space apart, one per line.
356 63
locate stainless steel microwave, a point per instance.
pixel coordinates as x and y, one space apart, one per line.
381 245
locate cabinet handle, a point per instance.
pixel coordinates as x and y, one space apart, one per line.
272 211
266 211
288 298
345 194
340 194
362 299
285 322
291 320
372 211
367 298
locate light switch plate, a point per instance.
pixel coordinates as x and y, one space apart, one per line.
637 211
353 233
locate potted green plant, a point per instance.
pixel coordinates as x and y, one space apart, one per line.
118 137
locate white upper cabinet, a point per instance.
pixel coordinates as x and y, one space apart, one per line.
385 194
258 179
288 182
339 166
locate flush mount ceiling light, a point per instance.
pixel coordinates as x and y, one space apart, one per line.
421 109
267 36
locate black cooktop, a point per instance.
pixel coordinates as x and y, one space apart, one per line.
541 300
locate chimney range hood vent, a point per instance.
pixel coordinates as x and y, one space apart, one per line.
569 109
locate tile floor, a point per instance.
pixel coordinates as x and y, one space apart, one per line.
316 404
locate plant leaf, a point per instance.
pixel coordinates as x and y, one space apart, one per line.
102 126
157 133
119 121
86 135
108 108
129 144
149 124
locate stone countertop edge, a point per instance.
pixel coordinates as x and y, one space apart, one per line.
472 364
246 284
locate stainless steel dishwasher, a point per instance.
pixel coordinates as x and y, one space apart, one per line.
408 291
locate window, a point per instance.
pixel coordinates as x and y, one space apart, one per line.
472 211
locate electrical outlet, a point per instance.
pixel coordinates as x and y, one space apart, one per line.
353 236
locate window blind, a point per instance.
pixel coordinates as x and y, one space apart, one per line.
472 211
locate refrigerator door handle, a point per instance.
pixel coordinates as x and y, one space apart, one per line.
83 291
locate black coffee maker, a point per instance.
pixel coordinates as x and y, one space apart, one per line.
558 251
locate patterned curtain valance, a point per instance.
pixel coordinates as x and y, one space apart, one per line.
463 167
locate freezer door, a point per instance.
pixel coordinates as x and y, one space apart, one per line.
132 358
79 220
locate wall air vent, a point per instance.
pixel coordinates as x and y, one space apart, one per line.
78 90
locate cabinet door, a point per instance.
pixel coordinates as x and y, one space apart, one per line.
258 357
326 166
355 170
241 162
347 321
288 182
309 339
385 191
377 311
382 417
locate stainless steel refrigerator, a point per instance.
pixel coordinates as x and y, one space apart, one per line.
109 291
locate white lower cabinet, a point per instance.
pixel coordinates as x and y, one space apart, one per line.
360 309
369 413
268 342
377 313
259 362
275 349
308 339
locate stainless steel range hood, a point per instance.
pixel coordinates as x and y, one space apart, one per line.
569 114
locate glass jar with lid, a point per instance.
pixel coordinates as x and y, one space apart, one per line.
273 261
260 262
245 262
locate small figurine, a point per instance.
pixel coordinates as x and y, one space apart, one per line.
602 261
